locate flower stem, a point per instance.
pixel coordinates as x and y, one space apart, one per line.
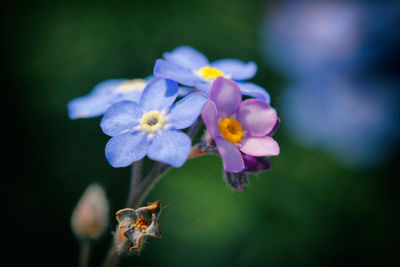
147 184
136 172
112 259
195 128
138 191
84 253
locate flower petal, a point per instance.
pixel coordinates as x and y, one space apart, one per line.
126 148
256 117
255 164
171 147
253 90
154 228
259 146
236 69
133 96
226 96
96 102
159 95
209 116
186 111
88 106
272 132
168 70
187 57
231 157
121 117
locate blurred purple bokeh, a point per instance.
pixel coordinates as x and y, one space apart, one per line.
341 62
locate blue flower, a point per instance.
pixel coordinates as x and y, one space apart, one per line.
104 95
189 67
151 126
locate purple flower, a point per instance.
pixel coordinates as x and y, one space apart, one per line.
238 127
189 67
152 126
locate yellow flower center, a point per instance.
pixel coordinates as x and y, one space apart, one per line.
231 130
152 121
141 223
210 73
132 85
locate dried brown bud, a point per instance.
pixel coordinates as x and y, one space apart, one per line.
90 217
135 225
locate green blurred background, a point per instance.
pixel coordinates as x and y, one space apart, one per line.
307 211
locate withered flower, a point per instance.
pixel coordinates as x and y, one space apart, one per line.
136 224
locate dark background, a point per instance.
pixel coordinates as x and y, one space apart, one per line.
309 210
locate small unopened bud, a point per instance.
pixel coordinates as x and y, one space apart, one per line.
90 217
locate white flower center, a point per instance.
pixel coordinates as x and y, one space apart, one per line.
152 121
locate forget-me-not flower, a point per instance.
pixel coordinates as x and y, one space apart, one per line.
152 126
189 67
104 95
239 127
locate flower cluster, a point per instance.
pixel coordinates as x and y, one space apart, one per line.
143 117
148 117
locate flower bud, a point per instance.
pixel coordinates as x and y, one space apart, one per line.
90 217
